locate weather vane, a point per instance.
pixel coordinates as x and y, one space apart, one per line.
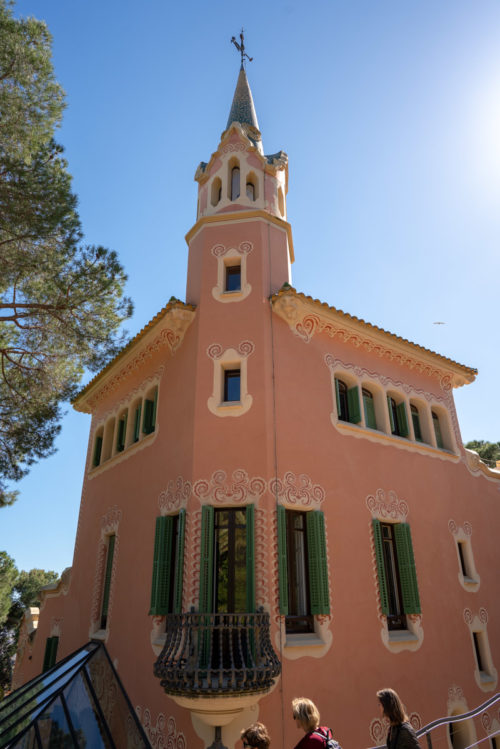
241 47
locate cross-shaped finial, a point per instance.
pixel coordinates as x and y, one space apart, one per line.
241 48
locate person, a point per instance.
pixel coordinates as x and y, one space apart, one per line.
401 734
306 716
256 736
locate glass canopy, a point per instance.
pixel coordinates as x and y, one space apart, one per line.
80 702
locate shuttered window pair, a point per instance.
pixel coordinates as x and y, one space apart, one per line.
314 566
398 417
168 564
348 407
397 575
50 656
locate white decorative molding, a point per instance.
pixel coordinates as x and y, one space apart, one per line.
379 728
487 678
297 491
109 525
476 466
462 535
176 322
175 496
226 257
229 358
56 626
390 508
240 489
306 320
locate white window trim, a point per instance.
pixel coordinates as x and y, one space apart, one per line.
229 359
471 583
304 644
486 680
226 257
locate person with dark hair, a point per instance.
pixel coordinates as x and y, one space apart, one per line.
306 716
401 734
256 736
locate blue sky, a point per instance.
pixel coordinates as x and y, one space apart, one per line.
390 115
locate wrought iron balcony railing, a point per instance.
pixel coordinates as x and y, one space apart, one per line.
217 654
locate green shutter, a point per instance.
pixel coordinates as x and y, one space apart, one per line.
206 561
160 587
137 423
337 396
147 421
353 406
318 567
402 419
120 440
379 556
250 544
407 571
107 577
97 451
282 559
179 562
416 426
153 415
370 419
437 430
391 415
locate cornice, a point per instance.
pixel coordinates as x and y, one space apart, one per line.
240 216
167 328
307 317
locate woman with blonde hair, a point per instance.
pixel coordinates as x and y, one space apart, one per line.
306 716
401 734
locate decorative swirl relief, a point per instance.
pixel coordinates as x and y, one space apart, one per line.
392 508
469 616
232 147
239 490
111 520
378 730
219 250
298 491
244 349
161 733
454 529
175 496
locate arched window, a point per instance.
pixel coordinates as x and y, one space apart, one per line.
347 402
437 430
250 191
216 191
369 408
397 417
235 182
415 417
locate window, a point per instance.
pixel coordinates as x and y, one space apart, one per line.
168 565
347 402
232 380
96 458
235 182
462 557
107 443
437 430
149 413
216 192
251 187
233 278
396 572
137 422
369 409
415 417
397 417
107 581
227 577
303 569
476 638
50 656
122 430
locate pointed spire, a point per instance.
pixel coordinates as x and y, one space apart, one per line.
243 108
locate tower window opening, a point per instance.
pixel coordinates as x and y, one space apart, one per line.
232 385
437 430
216 192
250 191
235 182
233 278
415 417
476 636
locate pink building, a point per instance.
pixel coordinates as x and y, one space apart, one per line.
277 501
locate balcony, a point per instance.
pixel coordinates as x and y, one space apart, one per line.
217 655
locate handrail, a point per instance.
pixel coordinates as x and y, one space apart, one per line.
211 654
425 730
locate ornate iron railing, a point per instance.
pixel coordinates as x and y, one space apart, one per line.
210 654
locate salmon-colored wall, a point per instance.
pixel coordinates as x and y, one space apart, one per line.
287 430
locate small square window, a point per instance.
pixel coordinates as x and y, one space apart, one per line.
232 382
233 278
